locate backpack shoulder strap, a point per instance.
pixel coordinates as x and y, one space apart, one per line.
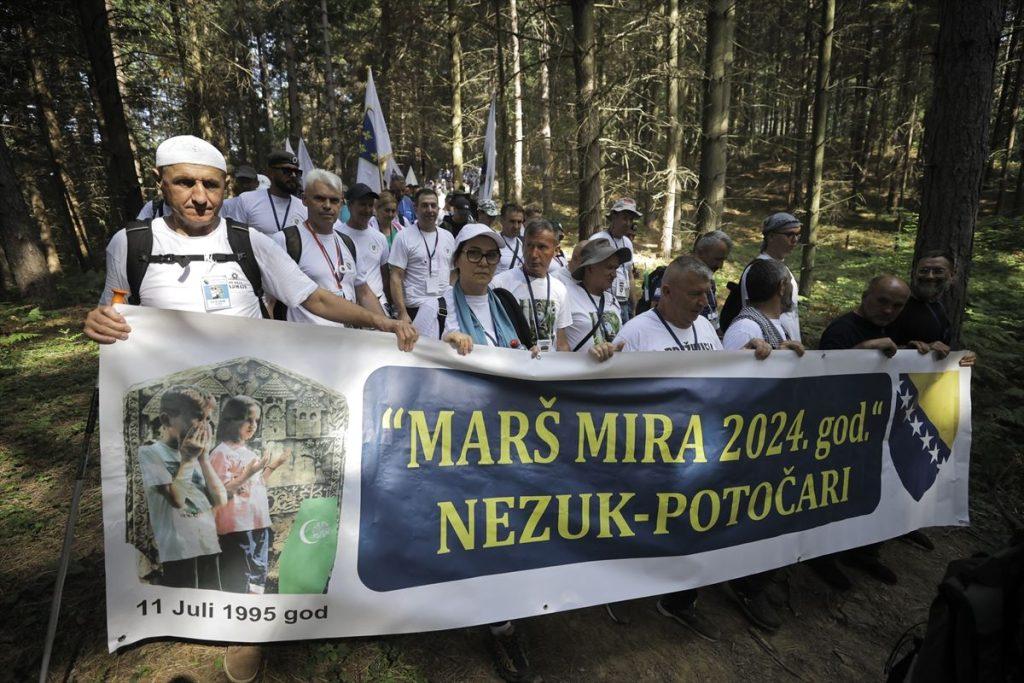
241 245
293 242
348 243
442 314
140 246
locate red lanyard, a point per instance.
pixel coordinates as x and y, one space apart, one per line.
333 268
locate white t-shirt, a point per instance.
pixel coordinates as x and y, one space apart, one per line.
646 333
411 250
372 253
584 307
321 270
552 308
511 254
563 274
743 330
205 286
254 208
791 319
179 533
620 286
426 317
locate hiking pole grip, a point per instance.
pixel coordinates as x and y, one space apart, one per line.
69 537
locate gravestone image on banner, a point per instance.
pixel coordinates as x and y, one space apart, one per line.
298 416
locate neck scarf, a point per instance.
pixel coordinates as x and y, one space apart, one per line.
504 332
768 329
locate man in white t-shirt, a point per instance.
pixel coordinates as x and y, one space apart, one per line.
675 323
621 222
421 259
543 298
712 248
372 249
324 256
277 207
781 234
769 295
511 222
193 176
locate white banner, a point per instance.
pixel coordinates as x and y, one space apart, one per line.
476 489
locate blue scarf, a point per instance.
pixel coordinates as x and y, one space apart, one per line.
468 323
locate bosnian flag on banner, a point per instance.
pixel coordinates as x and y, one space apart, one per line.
374 142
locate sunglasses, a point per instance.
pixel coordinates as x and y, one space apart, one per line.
475 255
288 171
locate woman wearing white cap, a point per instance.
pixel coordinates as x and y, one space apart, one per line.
474 313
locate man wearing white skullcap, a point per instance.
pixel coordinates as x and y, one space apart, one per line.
197 261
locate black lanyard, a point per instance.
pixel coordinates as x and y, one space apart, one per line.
712 301
599 305
533 302
670 331
621 265
273 207
430 254
515 252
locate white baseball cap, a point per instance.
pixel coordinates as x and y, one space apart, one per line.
471 230
188 149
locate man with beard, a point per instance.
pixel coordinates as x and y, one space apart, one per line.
769 296
924 318
277 207
621 225
371 246
420 262
462 214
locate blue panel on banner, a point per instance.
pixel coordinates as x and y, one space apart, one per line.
466 474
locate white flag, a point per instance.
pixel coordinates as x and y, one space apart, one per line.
288 145
410 178
305 162
374 142
490 152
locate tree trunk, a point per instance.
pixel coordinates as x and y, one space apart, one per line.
333 115
125 190
672 143
818 127
545 119
24 256
956 138
294 109
715 119
456 63
796 180
1007 92
265 91
588 135
51 133
517 103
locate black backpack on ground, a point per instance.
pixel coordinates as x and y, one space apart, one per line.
512 308
975 628
651 291
293 245
140 255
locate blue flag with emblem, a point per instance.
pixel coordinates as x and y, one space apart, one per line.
375 157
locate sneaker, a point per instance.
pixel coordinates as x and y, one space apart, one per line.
919 538
828 569
691 619
872 565
242 662
510 657
757 608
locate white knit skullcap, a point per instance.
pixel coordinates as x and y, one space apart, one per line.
188 149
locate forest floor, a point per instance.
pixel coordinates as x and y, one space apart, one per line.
47 371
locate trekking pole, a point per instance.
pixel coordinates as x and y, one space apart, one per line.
119 297
69 536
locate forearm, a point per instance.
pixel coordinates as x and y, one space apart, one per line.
368 300
338 309
397 278
218 493
561 342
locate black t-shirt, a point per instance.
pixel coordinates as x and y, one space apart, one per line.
921 321
848 330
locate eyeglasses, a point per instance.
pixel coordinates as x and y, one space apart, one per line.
932 271
790 235
474 256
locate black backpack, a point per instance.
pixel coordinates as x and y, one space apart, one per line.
651 291
975 628
512 308
733 303
293 245
140 255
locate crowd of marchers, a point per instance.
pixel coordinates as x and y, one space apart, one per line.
306 249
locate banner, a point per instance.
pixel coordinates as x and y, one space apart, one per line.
265 482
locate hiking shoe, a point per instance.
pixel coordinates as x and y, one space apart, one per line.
510 659
757 608
828 569
872 565
691 619
242 663
919 538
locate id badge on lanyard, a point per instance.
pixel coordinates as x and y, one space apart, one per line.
216 293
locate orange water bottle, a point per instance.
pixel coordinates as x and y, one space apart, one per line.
120 296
